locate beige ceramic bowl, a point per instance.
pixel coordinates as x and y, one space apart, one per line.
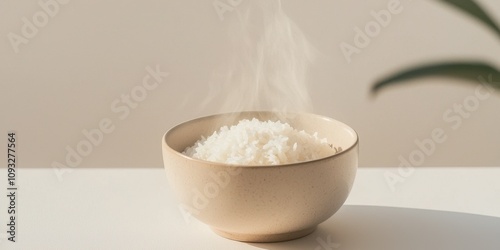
261 203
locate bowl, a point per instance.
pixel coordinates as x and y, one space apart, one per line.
261 203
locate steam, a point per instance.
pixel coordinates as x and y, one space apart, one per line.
270 57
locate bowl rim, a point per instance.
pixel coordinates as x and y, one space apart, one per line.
223 164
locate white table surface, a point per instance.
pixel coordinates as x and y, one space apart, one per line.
434 208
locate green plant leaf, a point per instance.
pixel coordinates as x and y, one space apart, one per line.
472 8
474 71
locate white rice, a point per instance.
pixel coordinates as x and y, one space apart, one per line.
254 142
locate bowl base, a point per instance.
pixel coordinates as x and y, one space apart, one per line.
264 237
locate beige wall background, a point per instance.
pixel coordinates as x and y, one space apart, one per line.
71 73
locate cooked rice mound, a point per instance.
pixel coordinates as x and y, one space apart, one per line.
254 142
